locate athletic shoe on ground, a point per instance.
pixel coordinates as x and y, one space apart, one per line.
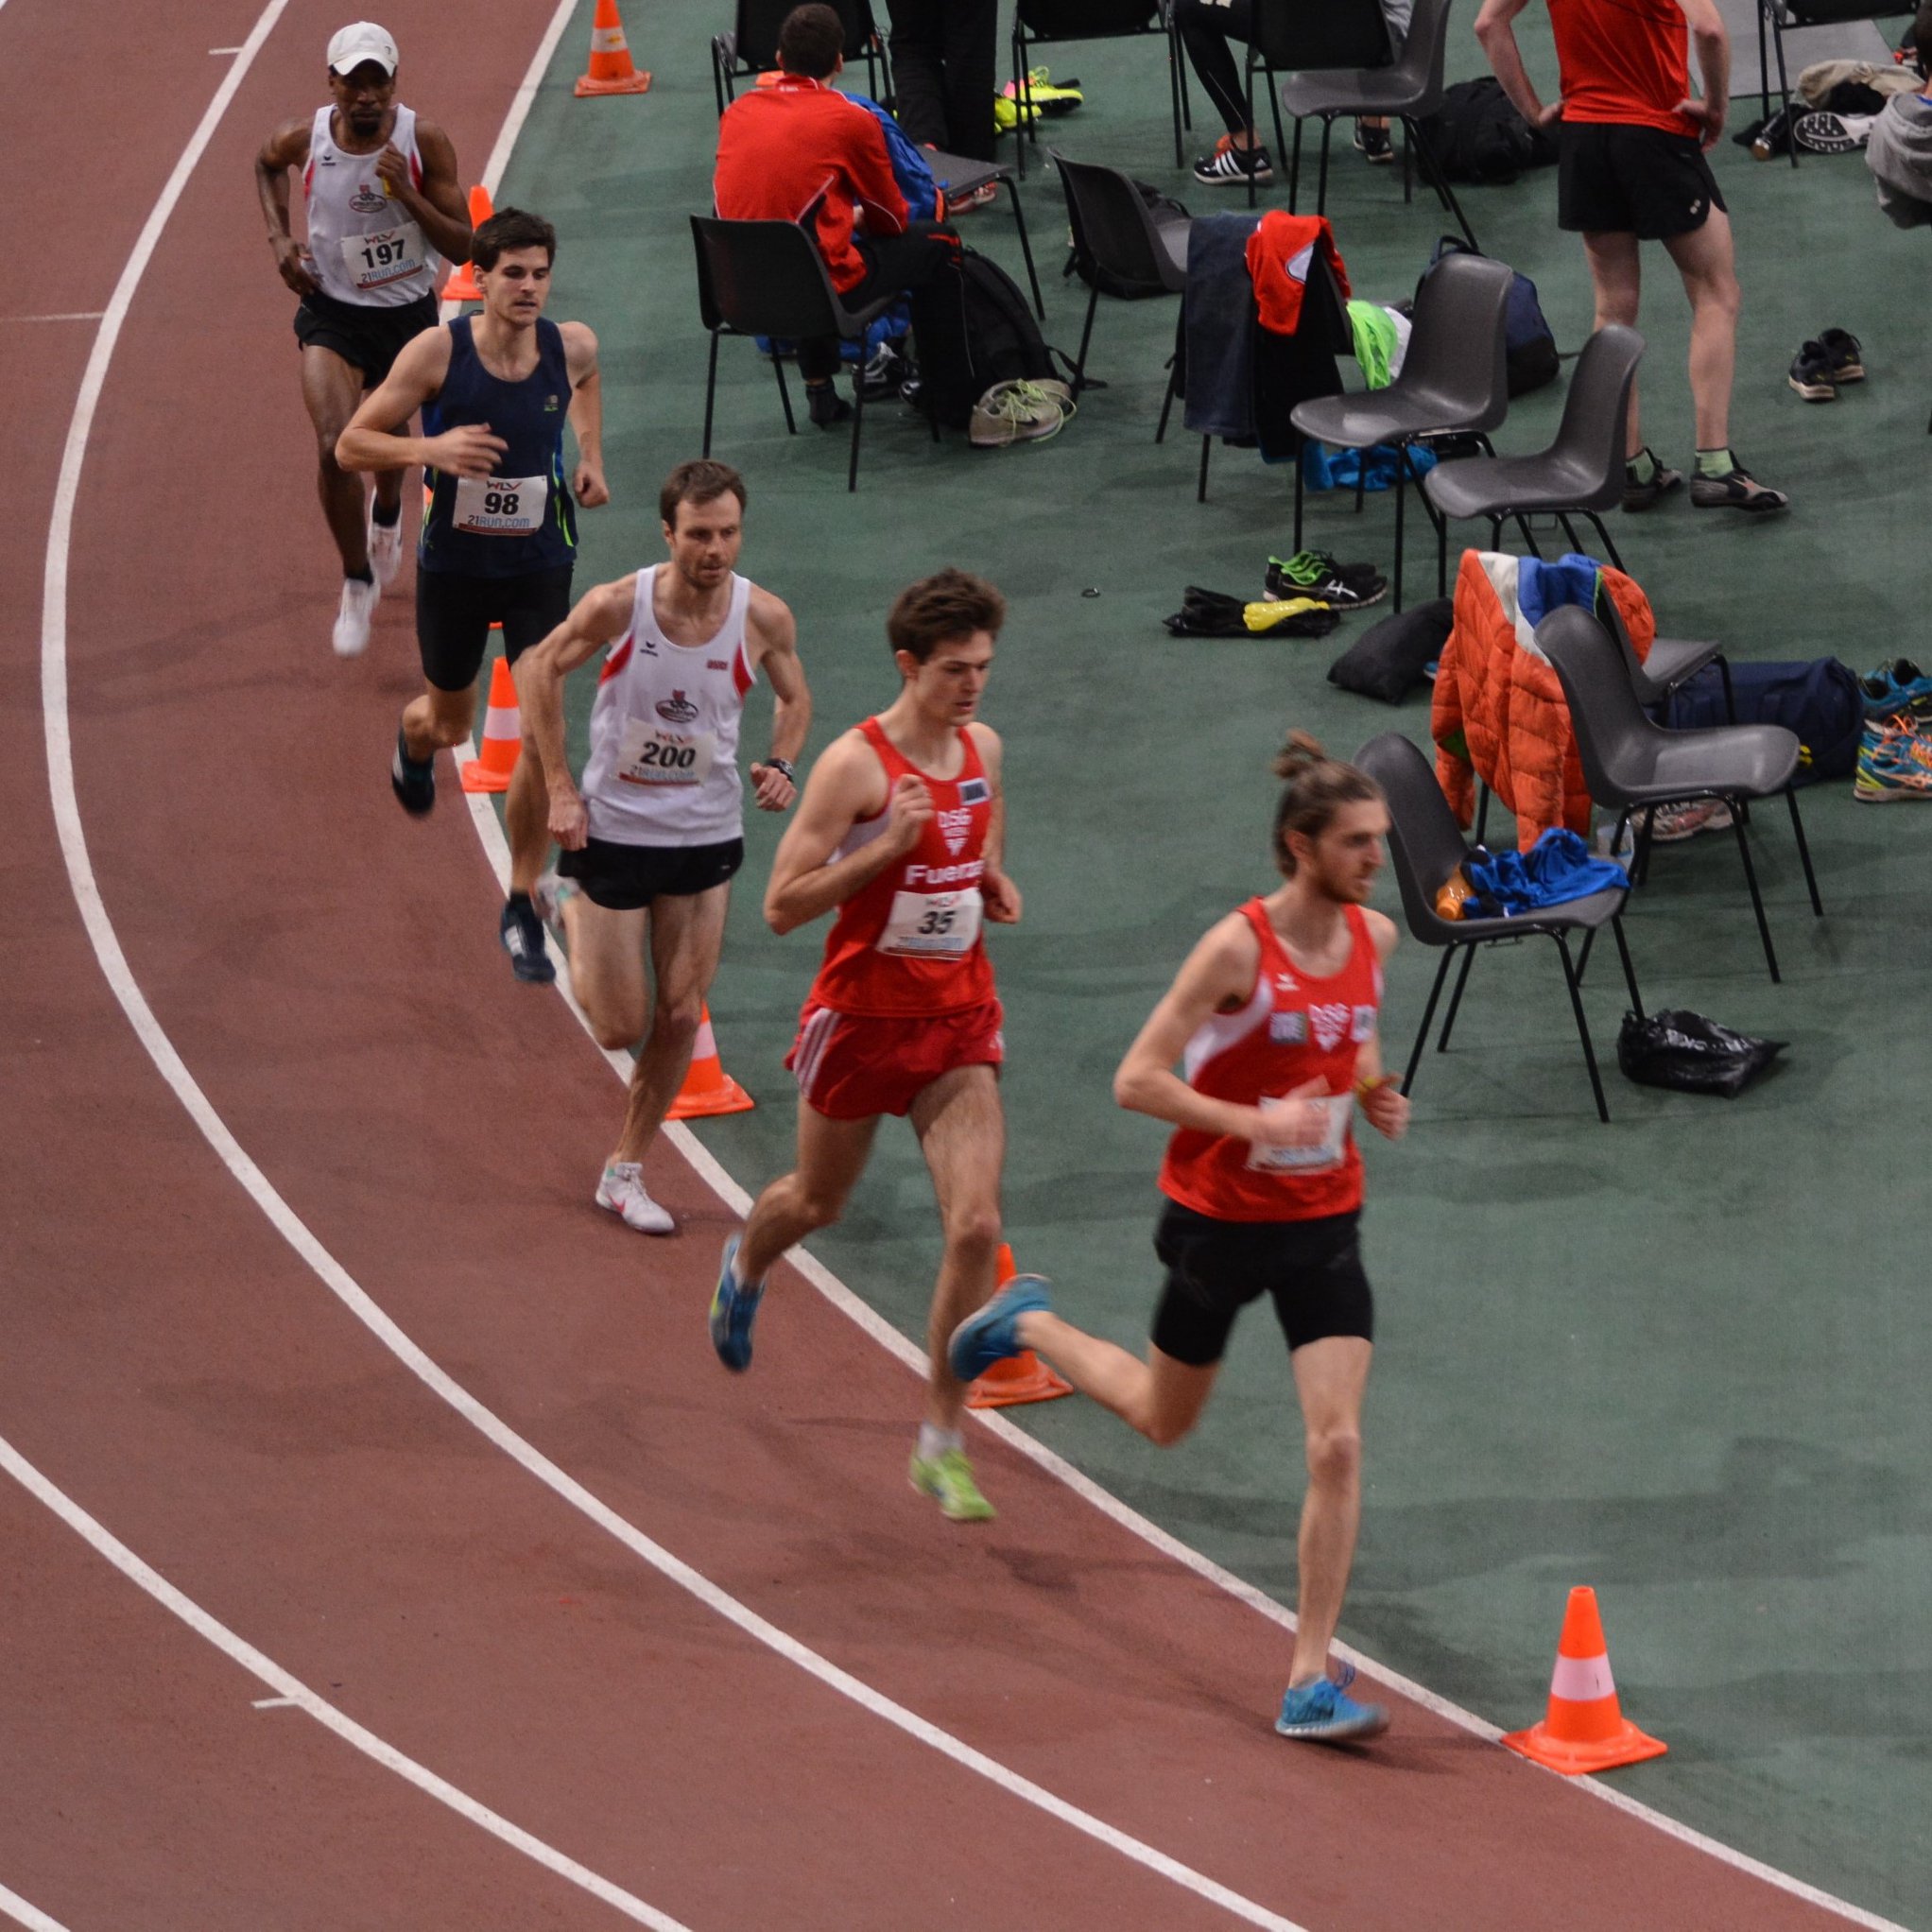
987 1336
521 930
1373 143
413 780
1323 1714
1896 687
1011 412
1893 766
1811 374
734 1309
947 1477
1846 354
1640 495
1670 824
1316 574
621 1192
384 548
885 369
826 407
1828 133
985 193
352 614
1230 166
1738 490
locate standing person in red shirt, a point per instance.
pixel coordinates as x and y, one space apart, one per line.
780 148
1631 140
900 831
1272 1021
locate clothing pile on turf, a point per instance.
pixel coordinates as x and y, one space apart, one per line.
1213 613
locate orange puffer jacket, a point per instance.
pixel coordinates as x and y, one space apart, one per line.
1499 713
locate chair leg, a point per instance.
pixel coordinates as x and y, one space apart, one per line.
1469 953
1784 77
1763 68
859 417
1569 531
1086 335
1301 456
1207 444
1176 81
1528 535
791 427
1019 46
1640 859
1295 167
1176 62
1609 546
709 391
1803 853
1583 954
1757 900
1321 189
1248 77
1409 1079
1274 101
1723 664
1433 170
1623 953
1401 496
1443 557
1482 810
1026 247
1166 400
1582 1029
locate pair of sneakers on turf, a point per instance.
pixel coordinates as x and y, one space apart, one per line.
1231 165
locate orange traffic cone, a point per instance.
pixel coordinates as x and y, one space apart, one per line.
708 1089
503 735
1585 1729
1025 1377
461 286
611 71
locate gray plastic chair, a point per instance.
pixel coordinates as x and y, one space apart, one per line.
960 177
1580 473
751 46
1408 90
1038 23
1311 37
1673 660
1116 231
1453 378
1629 763
1426 846
767 278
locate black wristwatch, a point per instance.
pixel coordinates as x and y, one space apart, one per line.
784 765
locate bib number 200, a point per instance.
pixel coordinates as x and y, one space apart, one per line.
667 758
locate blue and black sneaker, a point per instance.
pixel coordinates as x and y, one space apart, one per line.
1322 1714
989 1336
1897 686
413 780
734 1309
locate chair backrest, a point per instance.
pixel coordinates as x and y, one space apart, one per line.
1456 347
1590 439
1423 51
1611 728
1087 20
1425 842
762 278
1113 228
760 20
1315 36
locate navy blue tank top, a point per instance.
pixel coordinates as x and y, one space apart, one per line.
521 519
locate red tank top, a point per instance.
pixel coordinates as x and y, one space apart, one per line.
1293 1028
909 942
1624 61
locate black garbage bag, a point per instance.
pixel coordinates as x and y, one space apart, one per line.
1691 1053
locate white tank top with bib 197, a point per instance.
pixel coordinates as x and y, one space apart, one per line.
367 248
663 763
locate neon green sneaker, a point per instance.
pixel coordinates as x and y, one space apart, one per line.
948 1480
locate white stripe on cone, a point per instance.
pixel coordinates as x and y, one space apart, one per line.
498 723
608 39
1582 1679
706 1045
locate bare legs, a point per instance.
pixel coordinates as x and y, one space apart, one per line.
332 390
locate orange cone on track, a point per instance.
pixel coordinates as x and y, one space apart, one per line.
708 1089
1585 1729
461 286
1024 1378
611 71
503 735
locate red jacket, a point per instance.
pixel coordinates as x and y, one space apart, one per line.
779 147
1279 254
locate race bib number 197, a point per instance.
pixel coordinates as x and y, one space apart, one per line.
373 261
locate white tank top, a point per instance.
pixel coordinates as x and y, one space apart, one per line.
663 763
366 248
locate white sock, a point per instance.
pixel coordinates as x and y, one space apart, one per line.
935 1443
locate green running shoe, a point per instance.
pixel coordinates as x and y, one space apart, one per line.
948 1480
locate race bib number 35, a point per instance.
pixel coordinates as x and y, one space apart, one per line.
1324 1154
650 755
373 261
501 505
932 925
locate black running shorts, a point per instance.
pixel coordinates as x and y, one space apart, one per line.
453 613
365 336
1313 1269
1617 180
626 878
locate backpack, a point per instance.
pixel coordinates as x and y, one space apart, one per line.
1819 700
1105 280
909 167
1530 346
988 337
1477 135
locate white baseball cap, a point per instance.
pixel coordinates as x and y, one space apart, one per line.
362 39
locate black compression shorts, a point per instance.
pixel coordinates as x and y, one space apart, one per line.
1618 180
626 878
453 613
363 336
1312 1270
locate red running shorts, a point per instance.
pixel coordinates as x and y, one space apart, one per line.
854 1066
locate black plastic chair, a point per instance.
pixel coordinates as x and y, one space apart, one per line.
1115 233
766 278
1408 89
1454 378
1773 14
751 46
1580 473
1426 846
960 177
1630 764
1673 660
1040 22
1313 37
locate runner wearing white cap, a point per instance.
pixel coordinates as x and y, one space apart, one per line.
384 214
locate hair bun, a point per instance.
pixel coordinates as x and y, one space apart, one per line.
1301 750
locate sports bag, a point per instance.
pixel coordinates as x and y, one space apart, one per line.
1128 289
1477 135
909 168
1819 700
989 336
1530 346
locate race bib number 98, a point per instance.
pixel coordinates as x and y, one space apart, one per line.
648 756
932 925
1324 1154
373 261
501 505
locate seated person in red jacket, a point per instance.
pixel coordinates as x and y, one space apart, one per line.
781 147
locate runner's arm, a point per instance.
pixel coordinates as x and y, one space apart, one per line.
1713 44
1384 1104
773 635
1219 978
586 414
437 206
1000 897
599 617
371 441
1498 38
843 788
286 148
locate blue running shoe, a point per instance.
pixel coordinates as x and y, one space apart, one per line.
988 1336
1894 687
734 1309
1322 1714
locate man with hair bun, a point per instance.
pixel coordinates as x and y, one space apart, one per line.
901 833
499 532
1273 1024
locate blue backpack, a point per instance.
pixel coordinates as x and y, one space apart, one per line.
1819 700
1530 345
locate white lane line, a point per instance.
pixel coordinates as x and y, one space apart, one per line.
291 1690
80 314
224 50
11 1903
272 1704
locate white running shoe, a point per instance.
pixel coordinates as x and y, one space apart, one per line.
621 1191
384 548
358 604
